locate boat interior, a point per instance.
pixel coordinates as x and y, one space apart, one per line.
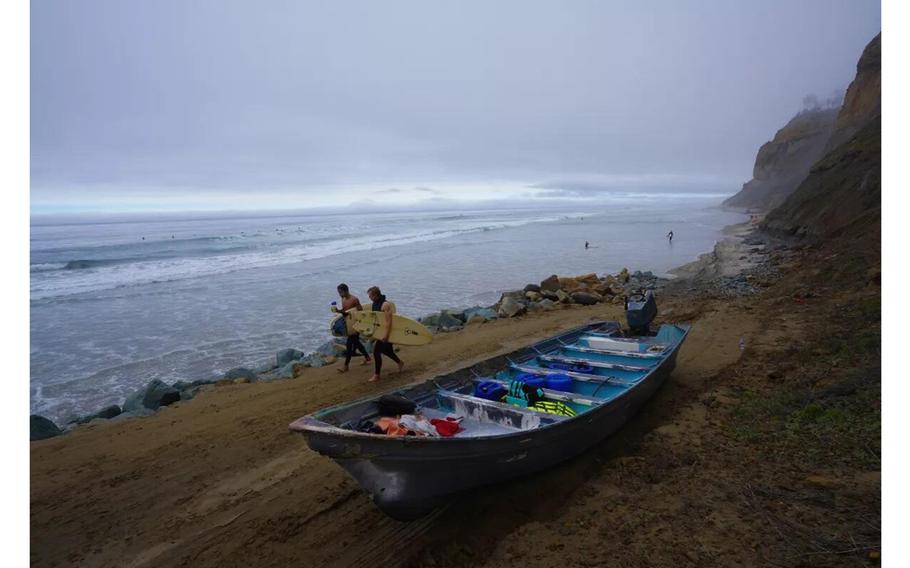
534 387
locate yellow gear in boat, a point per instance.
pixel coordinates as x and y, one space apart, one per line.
552 407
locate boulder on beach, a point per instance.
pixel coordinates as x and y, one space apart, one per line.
311 360
285 356
241 373
478 311
138 413
453 313
41 428
517 295
430 320
265 368
328 349
510 307
533 296
547 304
155 395
447 322
550 284
569 284
532 288
284 372
563 297
590 278
585 298
550 295
106 413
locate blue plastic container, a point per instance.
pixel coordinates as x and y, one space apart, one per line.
533 380
559 382
489 390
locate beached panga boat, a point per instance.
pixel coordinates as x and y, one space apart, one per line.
600 377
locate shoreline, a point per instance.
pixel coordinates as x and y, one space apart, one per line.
290 363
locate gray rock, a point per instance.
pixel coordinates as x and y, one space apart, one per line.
446 322
265 368
550 284
312 360
241 373
510 308
286 371
106 413
138 413
547 304
41 428
430 320
453 313
532 288
327 349
486 313
550 295
155 395
285 356
517 295
585 298
563 297
533 296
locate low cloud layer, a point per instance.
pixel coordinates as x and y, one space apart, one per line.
175 104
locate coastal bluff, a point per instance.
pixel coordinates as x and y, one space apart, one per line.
842 192
798 149
784 162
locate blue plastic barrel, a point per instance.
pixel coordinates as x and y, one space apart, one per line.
559 382
489 390
533 380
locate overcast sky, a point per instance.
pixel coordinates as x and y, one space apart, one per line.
231 105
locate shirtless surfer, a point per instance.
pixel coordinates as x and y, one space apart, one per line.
350 302
382 345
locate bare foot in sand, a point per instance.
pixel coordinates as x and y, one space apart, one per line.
400 366
374 379
342 370
366 361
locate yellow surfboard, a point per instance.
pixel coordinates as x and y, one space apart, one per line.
405 331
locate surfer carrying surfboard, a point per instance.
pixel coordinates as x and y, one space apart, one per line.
350 302
382 345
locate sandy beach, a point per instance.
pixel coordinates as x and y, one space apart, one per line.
219 480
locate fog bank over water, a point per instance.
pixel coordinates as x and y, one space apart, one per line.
210 105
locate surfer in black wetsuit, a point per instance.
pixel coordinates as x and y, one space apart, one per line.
670 236
350 302
382 345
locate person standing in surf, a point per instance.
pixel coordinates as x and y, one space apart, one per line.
350 302
670 236
382 345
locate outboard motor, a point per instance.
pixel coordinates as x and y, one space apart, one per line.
641 309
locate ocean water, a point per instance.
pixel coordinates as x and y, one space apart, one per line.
114 305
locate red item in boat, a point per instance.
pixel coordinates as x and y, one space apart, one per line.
446 428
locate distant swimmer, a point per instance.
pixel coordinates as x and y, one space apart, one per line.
670 236
587 245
